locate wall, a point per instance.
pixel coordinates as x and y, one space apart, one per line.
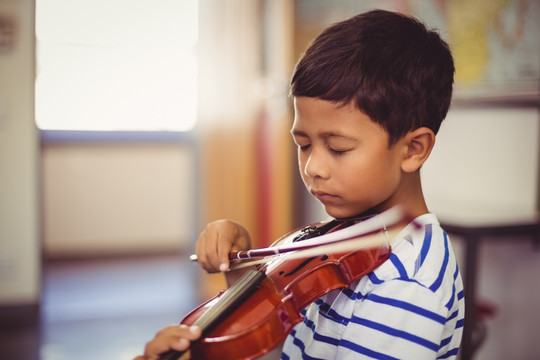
19 224
118 198
484 166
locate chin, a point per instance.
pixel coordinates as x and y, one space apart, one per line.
338 213
341 213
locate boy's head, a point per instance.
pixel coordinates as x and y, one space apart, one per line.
388 65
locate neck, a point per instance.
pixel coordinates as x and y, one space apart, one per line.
409 196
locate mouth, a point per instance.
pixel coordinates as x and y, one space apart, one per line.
323 196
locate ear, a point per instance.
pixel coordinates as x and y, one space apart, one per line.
418 145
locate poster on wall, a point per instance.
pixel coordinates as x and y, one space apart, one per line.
494 42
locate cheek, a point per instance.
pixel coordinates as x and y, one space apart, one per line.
372 178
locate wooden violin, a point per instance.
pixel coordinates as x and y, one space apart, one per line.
257 313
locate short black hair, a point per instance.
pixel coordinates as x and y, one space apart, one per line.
391 66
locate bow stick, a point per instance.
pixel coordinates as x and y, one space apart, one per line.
365 228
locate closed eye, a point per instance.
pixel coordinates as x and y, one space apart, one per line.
336 151
303 144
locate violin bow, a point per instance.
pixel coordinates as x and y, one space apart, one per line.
367 231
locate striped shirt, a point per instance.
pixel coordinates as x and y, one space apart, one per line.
411 307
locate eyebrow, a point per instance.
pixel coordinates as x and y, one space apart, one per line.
325 135
296 132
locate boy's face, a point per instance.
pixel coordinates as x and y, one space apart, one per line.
344 158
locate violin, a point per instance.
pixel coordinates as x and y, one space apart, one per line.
257 313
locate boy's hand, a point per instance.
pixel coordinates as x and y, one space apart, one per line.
217 241
213 248
175 337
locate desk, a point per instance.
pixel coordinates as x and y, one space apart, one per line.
527 229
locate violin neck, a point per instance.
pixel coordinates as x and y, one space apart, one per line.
230 300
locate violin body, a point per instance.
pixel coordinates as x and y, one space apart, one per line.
262 320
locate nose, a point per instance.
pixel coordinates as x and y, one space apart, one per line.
315 166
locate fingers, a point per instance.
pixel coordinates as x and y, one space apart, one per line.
206 249
175 337
224 246
217 241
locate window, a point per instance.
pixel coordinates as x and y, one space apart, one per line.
116 65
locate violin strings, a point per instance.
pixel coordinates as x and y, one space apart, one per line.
230 299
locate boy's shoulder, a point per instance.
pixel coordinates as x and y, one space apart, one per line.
421 252
421 272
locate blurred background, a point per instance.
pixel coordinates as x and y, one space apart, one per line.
126 126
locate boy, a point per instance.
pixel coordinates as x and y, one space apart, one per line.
369 96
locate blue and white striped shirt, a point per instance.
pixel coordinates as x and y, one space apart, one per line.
411 307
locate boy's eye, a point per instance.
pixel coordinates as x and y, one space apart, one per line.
337 151
303 147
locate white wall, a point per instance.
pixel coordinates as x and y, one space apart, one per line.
107 198
484 166
19 239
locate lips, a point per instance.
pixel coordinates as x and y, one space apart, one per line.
323 196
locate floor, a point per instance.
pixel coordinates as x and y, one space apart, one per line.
103 309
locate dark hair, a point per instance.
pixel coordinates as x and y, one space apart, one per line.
391 66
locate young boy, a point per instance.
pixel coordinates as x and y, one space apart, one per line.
369 96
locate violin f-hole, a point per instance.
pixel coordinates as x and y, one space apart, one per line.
301 265
298 268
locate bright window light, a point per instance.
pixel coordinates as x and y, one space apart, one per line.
116 65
